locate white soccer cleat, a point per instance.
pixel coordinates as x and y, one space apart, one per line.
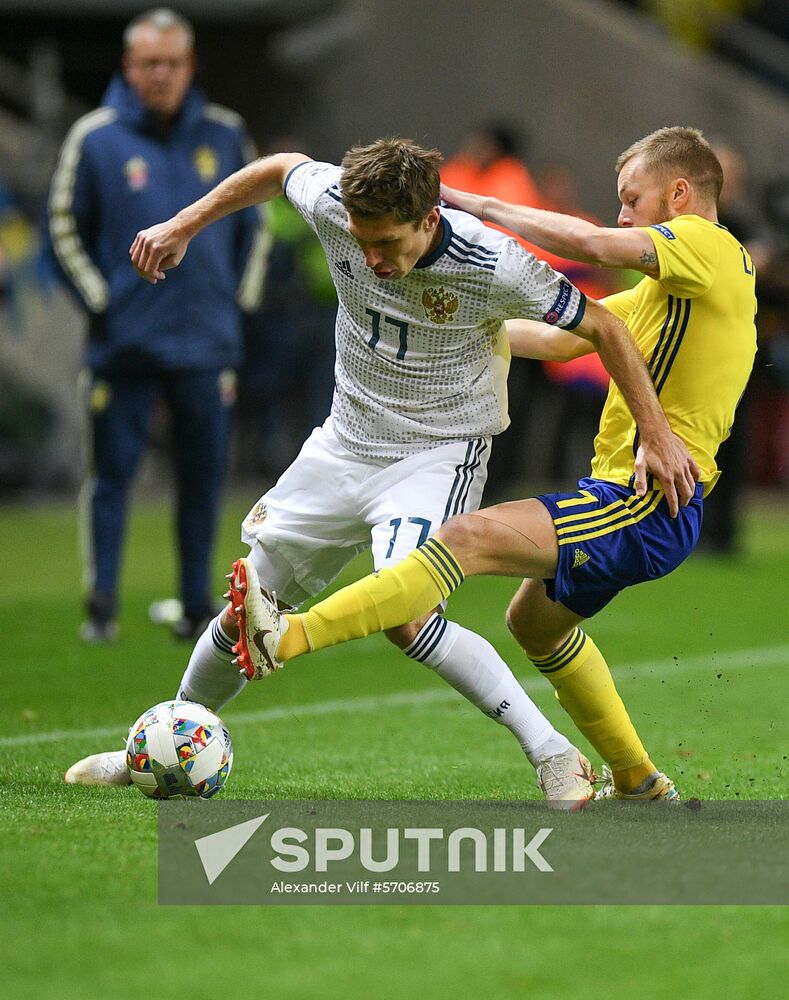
662 788
567 779
259 622
100 769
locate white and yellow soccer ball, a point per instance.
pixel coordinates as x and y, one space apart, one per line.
179 750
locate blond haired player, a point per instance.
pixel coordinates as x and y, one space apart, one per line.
692 317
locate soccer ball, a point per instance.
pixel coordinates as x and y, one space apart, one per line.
179 750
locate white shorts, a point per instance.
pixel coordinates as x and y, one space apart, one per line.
329 505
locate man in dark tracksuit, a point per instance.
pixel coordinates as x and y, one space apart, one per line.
153 146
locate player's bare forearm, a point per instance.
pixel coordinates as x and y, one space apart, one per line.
661 452
163 246
561 234
565 235
260 181
530 339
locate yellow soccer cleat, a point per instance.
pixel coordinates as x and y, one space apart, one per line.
662 788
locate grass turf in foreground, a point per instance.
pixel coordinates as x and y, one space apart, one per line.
79 870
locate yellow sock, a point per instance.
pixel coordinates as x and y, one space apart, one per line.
394 596
586 690
628 779
294 641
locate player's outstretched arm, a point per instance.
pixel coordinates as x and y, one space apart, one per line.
661 452
163 246
565 235
531 339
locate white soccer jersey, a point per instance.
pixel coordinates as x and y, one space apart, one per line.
423 359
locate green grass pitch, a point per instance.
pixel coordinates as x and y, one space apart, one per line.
700 660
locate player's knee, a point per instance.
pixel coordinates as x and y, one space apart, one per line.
527 637
533 639
515 626
463 534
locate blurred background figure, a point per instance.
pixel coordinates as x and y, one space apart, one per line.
154 145
580 385
18 247
768 396
490 161
55 60
740 210
567 397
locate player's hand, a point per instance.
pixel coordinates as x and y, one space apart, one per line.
474 204
157 249
670 462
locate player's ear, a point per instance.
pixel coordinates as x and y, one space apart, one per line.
431 219
680 192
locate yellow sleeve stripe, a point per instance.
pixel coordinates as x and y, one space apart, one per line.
250 289
66 241
219 113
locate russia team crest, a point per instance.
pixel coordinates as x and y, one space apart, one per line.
257 515
440 305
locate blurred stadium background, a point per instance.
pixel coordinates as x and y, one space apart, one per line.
574 82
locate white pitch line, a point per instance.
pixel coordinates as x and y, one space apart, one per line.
764 656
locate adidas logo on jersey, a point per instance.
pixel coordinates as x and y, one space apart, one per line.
579 558
344 267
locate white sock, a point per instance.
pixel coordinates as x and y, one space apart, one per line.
472 666
210 678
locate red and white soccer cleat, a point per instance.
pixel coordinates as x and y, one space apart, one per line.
258 619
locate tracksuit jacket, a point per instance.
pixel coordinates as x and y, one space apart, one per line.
119 173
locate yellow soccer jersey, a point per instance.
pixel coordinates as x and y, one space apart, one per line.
695 327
